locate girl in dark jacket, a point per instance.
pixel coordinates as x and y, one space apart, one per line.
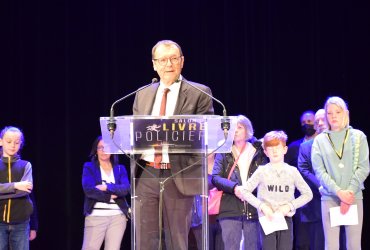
15 187
105 184
236 217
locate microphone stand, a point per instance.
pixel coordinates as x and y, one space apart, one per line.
112 122
225 121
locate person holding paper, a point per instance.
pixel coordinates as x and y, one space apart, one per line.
340 159
237 217
276 183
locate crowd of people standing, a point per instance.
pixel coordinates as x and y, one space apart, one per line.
260 178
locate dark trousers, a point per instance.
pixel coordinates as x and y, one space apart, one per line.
176 212
279 240
302 233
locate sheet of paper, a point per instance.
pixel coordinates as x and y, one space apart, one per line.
338 219
276 224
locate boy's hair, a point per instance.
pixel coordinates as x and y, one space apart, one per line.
273 138
11 129
247 124
342 105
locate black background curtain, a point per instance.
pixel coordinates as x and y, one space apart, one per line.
63 63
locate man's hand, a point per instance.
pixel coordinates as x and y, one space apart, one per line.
24 186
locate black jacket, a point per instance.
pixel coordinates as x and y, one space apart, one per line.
15 205
232 206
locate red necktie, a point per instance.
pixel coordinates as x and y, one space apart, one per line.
162 111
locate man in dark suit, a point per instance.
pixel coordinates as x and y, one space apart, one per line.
307 126
310 214
178 195
300 230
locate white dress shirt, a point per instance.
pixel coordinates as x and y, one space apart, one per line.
172 96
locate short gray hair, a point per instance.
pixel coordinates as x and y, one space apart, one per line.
247 124
167 43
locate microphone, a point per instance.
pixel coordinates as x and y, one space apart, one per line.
225 121
112 122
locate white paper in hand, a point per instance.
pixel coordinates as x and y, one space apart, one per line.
276 224
338 219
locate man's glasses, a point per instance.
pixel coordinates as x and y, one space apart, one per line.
163 61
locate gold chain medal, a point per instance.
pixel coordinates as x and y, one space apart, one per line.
339 154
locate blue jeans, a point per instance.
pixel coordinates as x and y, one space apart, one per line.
232 230
14 236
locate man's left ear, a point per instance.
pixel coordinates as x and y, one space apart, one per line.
285 149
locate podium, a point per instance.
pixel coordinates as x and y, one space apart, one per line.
192 137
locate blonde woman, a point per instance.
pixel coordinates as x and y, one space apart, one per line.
340 158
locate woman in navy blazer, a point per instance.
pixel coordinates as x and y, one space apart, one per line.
105 184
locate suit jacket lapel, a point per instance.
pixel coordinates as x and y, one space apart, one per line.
183 93
150 98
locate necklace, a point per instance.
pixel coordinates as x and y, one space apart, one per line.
340 153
